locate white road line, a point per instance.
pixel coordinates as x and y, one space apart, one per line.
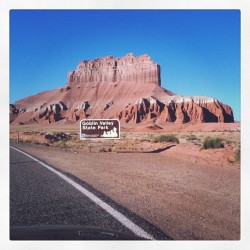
117 215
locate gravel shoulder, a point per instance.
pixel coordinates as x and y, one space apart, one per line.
187 196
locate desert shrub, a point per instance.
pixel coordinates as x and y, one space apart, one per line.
102 150
237 154
166 138
210 142
124 135
55 137
144 140
191 137
62 144
75 138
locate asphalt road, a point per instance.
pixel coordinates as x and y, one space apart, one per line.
40 197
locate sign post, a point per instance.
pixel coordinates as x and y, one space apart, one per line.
99 129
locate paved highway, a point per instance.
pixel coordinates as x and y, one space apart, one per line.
39 196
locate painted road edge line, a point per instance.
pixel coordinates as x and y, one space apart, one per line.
117 215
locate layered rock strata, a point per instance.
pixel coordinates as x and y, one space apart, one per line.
177 111
127 88
129 69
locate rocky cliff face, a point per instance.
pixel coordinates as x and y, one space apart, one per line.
129 70
178 111
127 88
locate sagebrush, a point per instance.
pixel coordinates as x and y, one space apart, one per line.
237 154
166 138
210 142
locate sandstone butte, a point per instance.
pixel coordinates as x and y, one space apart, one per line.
126 88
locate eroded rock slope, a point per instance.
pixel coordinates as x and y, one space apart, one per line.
126 88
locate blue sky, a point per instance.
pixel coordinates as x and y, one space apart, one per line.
198 50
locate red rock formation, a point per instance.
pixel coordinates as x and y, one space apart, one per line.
178 112
127 88
144 109
129 69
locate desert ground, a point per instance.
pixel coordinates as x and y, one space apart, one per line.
188 192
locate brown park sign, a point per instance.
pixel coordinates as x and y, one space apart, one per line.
99 129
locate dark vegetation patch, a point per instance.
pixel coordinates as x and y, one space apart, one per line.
212 142
166 138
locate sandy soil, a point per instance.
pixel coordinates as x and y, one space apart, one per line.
187 192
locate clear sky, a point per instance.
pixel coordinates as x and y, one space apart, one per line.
198 50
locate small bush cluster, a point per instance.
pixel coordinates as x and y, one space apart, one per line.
212 143
62 144
191 138
237 154
103 150
55 137
144 140
166 138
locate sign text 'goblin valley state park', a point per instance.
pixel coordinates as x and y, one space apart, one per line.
99 129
